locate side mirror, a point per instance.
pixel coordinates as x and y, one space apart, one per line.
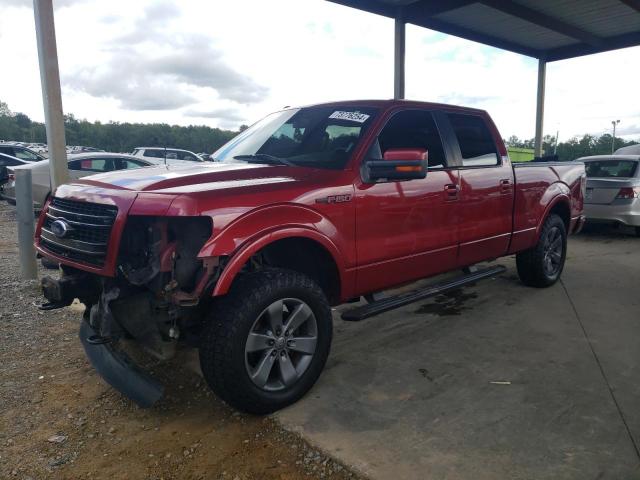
397 164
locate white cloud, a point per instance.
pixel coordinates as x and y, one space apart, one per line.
227 63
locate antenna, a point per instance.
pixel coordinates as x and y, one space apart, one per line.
165 156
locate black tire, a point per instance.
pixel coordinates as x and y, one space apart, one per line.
533 264
233 318
637 229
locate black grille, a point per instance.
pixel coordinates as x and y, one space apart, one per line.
89 227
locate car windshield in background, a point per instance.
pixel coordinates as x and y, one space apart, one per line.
319 137
611 168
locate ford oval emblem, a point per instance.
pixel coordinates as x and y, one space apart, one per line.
60 228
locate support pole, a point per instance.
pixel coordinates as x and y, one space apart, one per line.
51 96
542 72
24 212
399 56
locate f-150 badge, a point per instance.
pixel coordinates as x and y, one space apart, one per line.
335 198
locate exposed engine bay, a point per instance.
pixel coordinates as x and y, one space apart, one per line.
155 297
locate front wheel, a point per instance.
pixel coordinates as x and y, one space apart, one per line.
267 340
542 265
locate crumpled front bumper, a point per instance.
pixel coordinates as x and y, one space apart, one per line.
119 371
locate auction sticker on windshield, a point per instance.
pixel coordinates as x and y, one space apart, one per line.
351 116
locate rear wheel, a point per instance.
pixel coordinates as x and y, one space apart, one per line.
541 266
267 340
637 231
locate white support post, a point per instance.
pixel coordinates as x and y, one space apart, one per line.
51 96
399 56
24 212
542 72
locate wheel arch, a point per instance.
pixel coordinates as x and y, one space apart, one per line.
558 201
321 260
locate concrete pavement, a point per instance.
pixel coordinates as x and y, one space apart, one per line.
409 394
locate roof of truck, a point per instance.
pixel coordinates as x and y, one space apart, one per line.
390 103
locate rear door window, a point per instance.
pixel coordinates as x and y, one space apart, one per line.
128 164
154 153
611 169
477 147
26 155
188 156
93 165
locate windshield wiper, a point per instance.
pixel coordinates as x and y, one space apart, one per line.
264 158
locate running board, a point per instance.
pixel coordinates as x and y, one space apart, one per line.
390 303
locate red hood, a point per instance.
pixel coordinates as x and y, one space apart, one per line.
174 179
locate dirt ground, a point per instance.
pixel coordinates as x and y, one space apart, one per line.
59 420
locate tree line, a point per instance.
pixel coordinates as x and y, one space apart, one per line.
124 137
575 147
115 136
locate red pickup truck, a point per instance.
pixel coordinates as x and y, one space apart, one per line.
308 208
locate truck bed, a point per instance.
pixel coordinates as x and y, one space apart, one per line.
536 183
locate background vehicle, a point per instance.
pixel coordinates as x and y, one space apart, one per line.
21 152
613 188
82 149
158 153
7 161
307 208
628 150
80 165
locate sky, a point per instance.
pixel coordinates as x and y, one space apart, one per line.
227 63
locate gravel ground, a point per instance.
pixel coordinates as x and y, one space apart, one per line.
58 419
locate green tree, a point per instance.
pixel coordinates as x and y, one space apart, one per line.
4 109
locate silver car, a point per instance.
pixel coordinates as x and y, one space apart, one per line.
80 165
613 189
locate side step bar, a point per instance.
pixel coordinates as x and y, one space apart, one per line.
390 303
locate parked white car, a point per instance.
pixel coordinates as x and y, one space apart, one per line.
80 165
160 153
20 151
628 150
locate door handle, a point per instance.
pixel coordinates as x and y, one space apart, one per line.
505 185
451 191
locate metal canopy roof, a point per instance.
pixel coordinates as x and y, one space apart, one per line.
545 29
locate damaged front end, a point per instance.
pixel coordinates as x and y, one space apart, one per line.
153 301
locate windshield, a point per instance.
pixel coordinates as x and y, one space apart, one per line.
319 137
611 168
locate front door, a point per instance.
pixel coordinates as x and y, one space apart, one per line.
406 230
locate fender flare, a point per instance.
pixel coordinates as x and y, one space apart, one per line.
563 197
245 252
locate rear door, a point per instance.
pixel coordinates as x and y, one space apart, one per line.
486 190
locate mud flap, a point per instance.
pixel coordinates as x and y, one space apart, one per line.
120 372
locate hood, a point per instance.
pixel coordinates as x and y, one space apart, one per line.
177 179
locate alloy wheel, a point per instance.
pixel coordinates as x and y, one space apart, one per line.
281 344
553 251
